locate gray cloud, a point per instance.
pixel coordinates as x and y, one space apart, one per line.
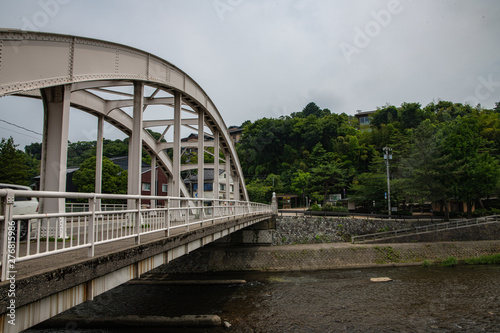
270 58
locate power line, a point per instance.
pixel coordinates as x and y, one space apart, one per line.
29 136
24 128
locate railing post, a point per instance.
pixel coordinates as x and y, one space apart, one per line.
91 228
187 214
274 203
138 222
213 211
167 233
8 211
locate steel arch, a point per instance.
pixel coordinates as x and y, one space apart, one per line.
32 61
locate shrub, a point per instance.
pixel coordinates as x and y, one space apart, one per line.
493 259
315 208
450 262
426 263
328 207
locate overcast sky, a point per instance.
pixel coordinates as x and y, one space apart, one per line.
271 58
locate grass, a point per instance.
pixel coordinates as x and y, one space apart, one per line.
450 262
493 259
426 263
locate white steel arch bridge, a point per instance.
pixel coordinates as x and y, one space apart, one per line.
120 85
134 91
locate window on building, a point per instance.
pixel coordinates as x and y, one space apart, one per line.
222 187
232 188
164 188
146 186
206 187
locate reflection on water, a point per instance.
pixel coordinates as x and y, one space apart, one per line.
417 300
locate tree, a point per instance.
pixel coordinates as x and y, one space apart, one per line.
477 173
410 115
13 168
426 172
327 176
34 150
497 107
368 189
384 115
300 183
258 191
311 109
114 178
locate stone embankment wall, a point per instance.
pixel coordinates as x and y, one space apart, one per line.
323 256
311 230
324 243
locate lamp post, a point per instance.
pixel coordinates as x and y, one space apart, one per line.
387 157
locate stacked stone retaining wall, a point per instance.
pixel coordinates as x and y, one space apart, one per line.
323 256
310 230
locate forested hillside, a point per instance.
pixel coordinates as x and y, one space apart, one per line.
441 151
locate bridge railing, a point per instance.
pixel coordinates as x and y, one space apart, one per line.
32 236
426 228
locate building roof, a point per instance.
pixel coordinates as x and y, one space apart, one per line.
364 113
194 137
122 162
208 175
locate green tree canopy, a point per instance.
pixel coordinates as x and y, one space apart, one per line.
114 178
13 168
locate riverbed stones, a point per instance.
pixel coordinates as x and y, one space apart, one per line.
380 279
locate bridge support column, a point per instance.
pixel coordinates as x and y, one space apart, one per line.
176 161
56 102
228 176
201 155
236 182
135 145
154 187
98 159
216 184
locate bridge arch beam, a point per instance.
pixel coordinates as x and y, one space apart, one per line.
33 64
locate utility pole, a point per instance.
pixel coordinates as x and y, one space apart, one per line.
387 157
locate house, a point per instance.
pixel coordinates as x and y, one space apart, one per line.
122 162
235 133
208 186
364 118
161 178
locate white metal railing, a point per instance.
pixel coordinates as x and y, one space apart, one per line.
72 207
426 228
93 224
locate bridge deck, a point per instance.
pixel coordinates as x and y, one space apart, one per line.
73 277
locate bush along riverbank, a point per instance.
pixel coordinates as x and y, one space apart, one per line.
488 259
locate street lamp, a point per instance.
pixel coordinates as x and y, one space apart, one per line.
387 157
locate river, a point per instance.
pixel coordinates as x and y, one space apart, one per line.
419 299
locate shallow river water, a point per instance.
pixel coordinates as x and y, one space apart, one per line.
419 299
